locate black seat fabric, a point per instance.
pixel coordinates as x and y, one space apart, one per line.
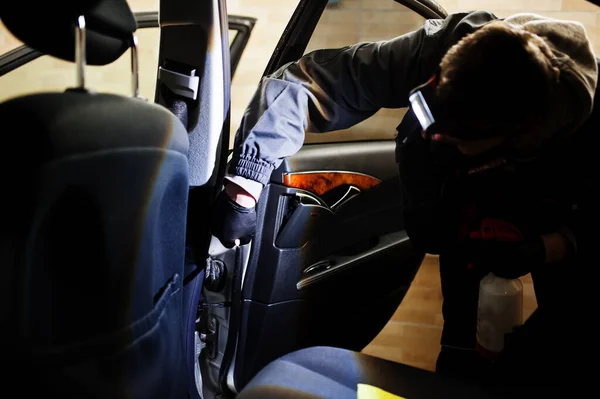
333 373
93 236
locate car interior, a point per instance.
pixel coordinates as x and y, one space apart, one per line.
106 239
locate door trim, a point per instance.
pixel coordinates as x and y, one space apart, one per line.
320 182
426 8
293 41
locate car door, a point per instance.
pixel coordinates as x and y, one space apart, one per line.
330 261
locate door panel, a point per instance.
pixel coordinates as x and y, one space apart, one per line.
330 261
323 276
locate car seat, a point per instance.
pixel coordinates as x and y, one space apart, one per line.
327 372
94 202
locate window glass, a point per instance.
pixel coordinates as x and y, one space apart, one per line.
350 22
272 16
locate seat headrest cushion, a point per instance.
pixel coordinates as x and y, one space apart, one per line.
49 27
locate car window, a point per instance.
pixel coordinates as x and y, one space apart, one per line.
271 20
345 23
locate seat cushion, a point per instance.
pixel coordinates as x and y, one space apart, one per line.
326 372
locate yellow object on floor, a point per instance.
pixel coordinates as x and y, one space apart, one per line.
370 392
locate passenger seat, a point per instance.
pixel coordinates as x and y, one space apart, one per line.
333 373
92 238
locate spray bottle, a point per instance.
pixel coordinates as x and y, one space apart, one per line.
500 307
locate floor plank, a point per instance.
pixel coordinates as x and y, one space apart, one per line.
413 333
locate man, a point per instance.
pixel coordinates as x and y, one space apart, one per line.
507 100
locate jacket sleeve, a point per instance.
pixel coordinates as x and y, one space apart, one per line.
334 89
325 90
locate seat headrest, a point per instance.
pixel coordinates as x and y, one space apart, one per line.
49 27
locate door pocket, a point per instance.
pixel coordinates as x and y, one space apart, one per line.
305 220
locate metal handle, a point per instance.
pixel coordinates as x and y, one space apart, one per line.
80 56
81 62
350 193
135 74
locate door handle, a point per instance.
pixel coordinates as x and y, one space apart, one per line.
350 193
309 198
340 195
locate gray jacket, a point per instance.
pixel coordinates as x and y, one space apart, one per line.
335 89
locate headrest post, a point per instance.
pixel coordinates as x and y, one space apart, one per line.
135 83
80 57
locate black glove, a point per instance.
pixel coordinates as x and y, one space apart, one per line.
215 276
231 221
507 259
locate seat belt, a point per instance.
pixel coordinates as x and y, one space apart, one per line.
178 85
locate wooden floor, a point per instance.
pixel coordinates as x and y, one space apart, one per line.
412 336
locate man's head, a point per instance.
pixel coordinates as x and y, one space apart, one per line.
494 85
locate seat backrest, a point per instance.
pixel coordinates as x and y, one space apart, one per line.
93 218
